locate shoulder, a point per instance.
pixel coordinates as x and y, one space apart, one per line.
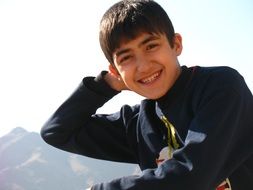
221 72
126 113
216 86
220 77
139 111
221 82
130 109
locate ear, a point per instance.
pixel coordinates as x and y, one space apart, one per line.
178 46
113 70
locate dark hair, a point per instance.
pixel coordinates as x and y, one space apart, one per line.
128 18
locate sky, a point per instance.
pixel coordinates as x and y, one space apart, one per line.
47 47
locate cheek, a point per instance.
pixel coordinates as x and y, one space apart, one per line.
127 78
125 72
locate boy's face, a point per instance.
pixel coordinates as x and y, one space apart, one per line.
148 65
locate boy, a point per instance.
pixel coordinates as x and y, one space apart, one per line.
193 130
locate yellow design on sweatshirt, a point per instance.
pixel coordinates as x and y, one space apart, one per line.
172 141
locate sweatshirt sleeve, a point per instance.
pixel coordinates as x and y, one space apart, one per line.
75 127
217 143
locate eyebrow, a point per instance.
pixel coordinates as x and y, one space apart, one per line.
148 39
145 41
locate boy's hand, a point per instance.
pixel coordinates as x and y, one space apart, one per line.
115 81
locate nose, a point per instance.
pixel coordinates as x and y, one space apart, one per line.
143 64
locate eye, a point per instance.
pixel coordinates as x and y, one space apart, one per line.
152 46
125 58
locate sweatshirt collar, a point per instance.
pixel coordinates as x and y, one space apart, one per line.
177 89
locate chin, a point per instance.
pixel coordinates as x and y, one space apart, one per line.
157 96
154 97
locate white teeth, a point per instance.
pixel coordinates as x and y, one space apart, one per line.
151 78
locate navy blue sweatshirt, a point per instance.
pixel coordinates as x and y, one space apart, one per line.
211 109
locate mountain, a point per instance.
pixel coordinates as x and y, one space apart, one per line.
28 163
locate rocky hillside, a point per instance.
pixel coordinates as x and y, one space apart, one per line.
28 163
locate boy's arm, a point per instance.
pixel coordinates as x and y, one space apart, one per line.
76 128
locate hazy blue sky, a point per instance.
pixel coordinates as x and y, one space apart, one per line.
47 47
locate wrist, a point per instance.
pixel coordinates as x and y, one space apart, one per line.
99 85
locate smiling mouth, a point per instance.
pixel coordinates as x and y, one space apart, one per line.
151 78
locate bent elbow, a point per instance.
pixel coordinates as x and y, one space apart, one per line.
53 134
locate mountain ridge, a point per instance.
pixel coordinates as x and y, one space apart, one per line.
28 163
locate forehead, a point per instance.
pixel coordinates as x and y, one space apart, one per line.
140 39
